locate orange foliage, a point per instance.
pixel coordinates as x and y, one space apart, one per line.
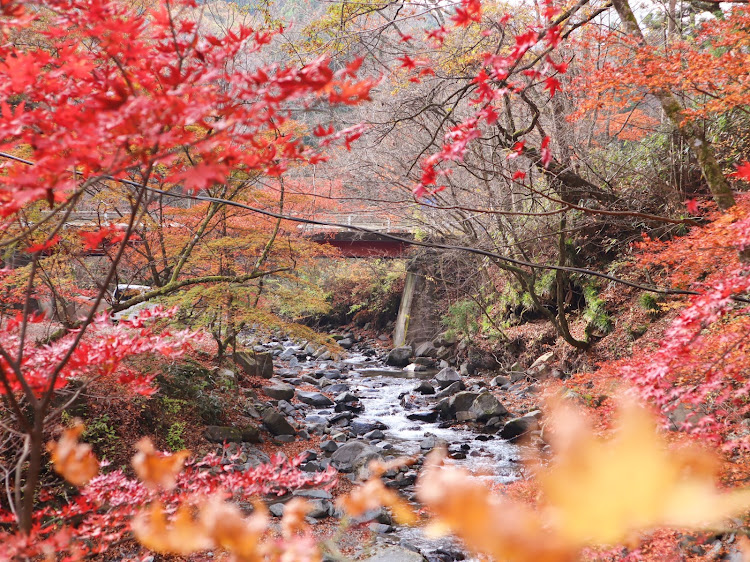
627 126
72 460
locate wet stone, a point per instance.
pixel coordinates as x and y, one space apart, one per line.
425 416
374 435
361 427
314 399
425 388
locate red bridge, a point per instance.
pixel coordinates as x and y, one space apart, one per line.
357 244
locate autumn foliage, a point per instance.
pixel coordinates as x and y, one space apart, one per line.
109 104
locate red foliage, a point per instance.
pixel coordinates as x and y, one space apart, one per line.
105 507
99 353
698 374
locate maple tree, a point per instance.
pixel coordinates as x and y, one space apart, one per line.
99 98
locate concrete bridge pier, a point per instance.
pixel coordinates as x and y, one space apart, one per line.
418 319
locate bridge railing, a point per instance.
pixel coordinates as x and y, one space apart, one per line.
370 222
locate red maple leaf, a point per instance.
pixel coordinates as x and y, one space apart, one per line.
552 84
743 171
41 247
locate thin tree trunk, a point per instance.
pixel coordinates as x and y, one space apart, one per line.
692 133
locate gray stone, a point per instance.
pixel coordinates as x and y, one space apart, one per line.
344 397
450 390
314 399
276 423
255 457
279 390
221 433
255 364
346 456
360 427
425 349
447 377
541 367
518 427
499 381
486 406
396 554
463 416
425 388
467 369
333 374
399 356
442 352
329 446
425 416
462 401
313 494
284 438
319 509
337 387
346 343
277 509
375 434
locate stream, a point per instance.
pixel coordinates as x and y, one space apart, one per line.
368 411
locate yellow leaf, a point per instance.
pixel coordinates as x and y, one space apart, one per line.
602 492
74 461
157 470
594 492
183 535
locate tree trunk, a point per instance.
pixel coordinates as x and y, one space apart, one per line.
26 509
691 132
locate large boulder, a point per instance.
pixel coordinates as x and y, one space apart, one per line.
279 391
250 434
222 433
519 427
276 423
486 406
447 377
399 356
314 399
460 402
255 364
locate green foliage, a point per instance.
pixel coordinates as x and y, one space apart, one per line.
364 290
175 442
101 434
463 318
595 311
172 406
